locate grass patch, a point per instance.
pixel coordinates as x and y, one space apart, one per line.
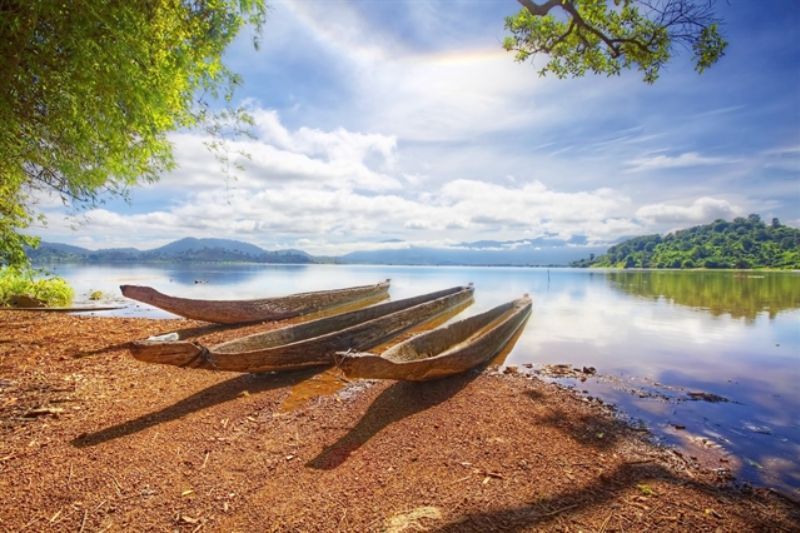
51 290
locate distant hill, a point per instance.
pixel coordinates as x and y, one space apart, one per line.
742 243
191 245
183 250
544 251
540 252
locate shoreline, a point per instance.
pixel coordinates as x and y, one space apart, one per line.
421 265
92 438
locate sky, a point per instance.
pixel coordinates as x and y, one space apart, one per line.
393 124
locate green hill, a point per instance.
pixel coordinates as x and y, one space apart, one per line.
742 243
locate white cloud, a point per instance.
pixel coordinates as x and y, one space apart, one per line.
337 158
659 162
701 210
312 199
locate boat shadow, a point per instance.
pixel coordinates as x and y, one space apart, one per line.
214 395
183 333
400 400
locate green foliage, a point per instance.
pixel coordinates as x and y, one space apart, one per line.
96 295
738 294
744 243
90 90
54 291
605 37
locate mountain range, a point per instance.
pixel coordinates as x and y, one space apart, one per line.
543 251
182 251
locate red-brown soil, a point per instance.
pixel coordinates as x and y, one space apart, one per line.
92 440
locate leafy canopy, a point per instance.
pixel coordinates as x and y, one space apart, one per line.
90 89
604 37
742 243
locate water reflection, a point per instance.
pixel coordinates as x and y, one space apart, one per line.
739 294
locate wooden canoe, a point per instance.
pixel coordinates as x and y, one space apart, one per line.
309 343
444 351
243 311
78 309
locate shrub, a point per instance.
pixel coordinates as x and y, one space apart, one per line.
53 291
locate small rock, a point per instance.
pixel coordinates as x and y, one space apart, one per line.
511 370
706 397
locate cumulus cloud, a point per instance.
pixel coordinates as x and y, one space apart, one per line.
325 219
338 158
701 210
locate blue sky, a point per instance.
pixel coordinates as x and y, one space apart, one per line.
406 122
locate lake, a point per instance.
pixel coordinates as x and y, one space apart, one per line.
653 336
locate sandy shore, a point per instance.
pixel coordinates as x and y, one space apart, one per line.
92 440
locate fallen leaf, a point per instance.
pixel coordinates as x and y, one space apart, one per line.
411 520
647 490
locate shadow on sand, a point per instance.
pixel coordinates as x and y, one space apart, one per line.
214 395
398 401
546 512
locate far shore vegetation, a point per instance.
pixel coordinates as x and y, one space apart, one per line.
744 243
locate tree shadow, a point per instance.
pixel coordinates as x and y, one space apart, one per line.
213 395
588 429
398 401
534 394
603 490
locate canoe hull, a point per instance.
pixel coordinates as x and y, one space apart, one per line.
244 311
307 344
456 348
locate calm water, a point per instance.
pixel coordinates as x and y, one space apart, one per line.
653 336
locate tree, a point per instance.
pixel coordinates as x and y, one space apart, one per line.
90 90
604 37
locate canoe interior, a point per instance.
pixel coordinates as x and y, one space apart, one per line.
444 351
451 337
317 328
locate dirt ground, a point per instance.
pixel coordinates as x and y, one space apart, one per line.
93 440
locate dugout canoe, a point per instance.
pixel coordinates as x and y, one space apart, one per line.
243 311
444 351
307 344
78 309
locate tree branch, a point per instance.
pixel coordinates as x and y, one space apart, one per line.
576 19
539 10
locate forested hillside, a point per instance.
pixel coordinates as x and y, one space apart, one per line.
742 243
